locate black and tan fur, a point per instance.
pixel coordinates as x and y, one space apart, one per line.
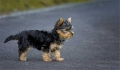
47 42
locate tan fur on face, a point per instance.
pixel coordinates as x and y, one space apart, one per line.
64 35
22 56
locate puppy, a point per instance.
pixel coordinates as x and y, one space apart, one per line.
47 42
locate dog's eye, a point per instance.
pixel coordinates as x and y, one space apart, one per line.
66 29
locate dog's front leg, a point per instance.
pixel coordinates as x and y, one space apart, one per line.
57 56
46 56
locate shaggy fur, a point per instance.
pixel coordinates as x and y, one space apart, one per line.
43 40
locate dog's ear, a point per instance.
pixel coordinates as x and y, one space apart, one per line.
69 19
60 21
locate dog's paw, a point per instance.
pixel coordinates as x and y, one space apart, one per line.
47 60
23 59
59 59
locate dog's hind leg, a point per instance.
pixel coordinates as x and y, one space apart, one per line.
22 54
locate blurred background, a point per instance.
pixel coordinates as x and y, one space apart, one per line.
94 46
8 6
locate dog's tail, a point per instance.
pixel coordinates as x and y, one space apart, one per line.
12 37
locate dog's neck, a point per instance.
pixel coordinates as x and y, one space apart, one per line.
57 37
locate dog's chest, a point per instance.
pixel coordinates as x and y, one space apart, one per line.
55 46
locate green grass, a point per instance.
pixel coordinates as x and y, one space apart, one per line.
7 6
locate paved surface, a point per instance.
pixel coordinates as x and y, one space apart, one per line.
95 45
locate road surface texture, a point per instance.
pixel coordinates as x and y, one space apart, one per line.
95 45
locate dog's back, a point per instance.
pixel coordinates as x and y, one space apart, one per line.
31 35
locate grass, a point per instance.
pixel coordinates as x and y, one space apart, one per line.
8 6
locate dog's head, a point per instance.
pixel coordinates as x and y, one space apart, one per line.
64 28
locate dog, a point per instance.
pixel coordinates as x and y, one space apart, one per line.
46 41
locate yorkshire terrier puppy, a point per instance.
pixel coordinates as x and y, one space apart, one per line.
47 42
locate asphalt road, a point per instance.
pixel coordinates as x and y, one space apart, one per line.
95 45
